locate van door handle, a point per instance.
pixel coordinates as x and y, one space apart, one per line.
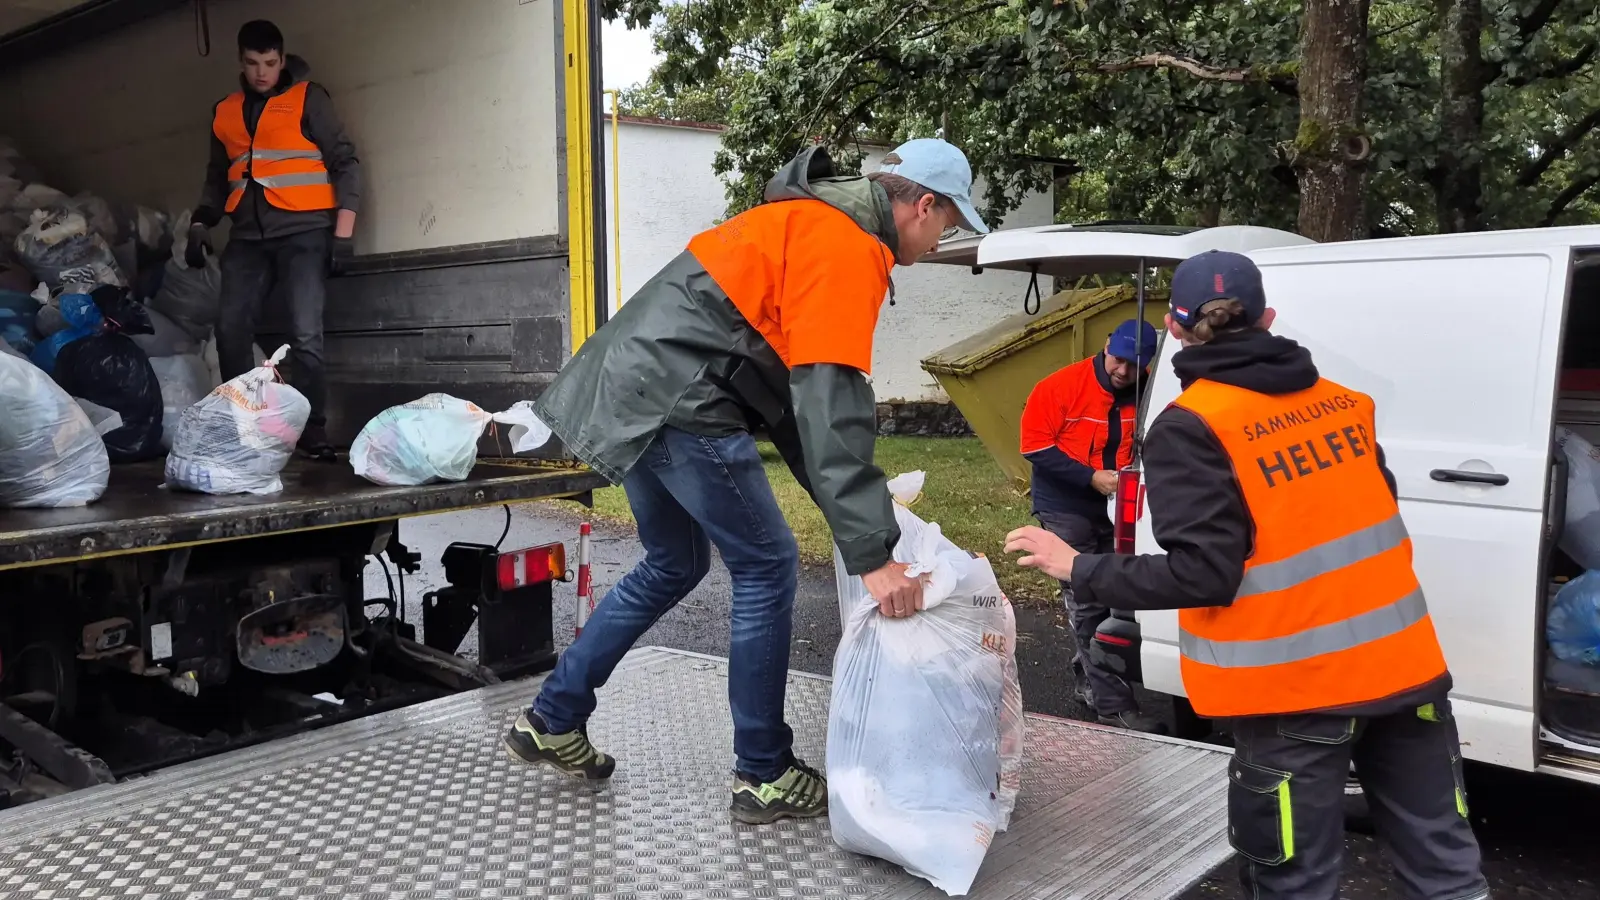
1489 478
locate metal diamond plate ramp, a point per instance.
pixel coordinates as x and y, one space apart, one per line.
423 803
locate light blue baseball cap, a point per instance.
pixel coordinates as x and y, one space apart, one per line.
940 167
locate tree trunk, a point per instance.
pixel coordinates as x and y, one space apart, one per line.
1331 148
1460 184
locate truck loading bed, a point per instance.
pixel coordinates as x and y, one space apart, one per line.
137 514
423 802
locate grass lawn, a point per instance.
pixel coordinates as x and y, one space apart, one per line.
965 493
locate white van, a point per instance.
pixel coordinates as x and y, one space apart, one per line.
1474 347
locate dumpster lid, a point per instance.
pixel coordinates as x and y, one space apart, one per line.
1068 251
982 349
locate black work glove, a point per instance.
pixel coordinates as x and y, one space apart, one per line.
340 254
199 247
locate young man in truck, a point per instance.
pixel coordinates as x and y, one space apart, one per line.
286 175
764 323
1077 432
1300 618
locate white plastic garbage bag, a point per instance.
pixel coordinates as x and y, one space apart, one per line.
925 727
190 297
435 438
1580 538
208 352
184 380
238 438
103 419
167 338
50 455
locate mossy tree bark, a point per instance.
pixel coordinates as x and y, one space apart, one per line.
1331 149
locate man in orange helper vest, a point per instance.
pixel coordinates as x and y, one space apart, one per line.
1301 621
764 323
283 170
1077 432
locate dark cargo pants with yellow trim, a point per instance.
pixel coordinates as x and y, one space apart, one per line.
1286 802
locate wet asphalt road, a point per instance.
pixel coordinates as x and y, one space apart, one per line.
1540 836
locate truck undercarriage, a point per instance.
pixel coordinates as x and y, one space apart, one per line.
115 666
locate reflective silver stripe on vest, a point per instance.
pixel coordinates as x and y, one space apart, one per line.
272 155
1331 638
297 179
1324 558
250 156
237 185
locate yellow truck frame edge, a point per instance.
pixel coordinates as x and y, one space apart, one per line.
581 212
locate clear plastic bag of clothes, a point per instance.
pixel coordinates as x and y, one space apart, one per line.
239 437
435 438
925 727
111 371
184 380
62 251
50 455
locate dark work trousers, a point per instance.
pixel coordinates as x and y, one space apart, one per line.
294 268
1286 802
1108 693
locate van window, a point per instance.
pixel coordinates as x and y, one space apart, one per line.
1580 345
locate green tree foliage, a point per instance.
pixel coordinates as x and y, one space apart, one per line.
1181 111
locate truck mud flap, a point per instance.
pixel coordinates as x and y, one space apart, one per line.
424 802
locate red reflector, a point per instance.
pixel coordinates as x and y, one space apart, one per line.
535 565
1113 640
1130 506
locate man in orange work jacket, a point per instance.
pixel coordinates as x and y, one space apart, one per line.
1077 431
284 172
1301 622
763 323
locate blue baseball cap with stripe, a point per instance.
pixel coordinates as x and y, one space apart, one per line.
942 168
1216 275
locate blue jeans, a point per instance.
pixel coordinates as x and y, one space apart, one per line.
688 492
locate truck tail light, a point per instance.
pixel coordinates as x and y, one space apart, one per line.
520 568
1130 506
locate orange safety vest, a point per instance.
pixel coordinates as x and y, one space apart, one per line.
805 276
1329 613
279 157
1071 410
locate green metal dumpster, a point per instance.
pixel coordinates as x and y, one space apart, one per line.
990 374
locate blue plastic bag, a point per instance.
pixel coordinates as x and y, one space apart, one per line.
1573 625
17 312
83 320
19 304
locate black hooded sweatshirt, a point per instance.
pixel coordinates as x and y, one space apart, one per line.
1197 508
255 218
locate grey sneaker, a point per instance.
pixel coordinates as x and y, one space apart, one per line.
571 753
799 793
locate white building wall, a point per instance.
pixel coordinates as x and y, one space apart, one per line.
668 193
